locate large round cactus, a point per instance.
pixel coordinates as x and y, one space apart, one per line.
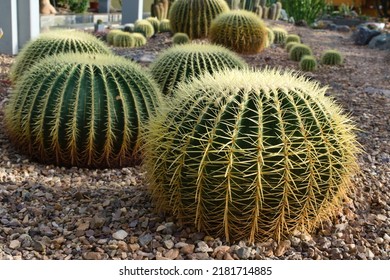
250 155
81 110
183 62
194 16
239 30
124 40
144 27
56 42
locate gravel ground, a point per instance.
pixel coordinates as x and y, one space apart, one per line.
48 212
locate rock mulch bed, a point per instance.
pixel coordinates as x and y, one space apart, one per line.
48 212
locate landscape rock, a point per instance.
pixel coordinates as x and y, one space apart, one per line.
363 35
120 235
380 42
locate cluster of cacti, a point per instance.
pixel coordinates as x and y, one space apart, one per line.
180 39
260 8
290 45
183 62
308 63
270 37
81 110
123 40
298 51
194 17
111 34
293 38
144 27
239 30
280 35
155 23
165 25
139 39
160 9
55 42
250 155
332 57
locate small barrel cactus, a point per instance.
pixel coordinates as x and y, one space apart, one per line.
111 34
270 37
144 27
240 31
155 23
280 35
308 63
55 42
298 51
332 57
194 17
123 40
250 155
180 39
183 62
165 26
293 38
139 39
81 110
290 45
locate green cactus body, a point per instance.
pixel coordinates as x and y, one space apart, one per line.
293 38
308 63
165 25
111 35
259 11
180 39
124 40
194 17
290 45
265 12
55 42
270 37
80 110
155 23
280 35
263 3
183 62
278 10
272 12
144 27
241 31
139 39
250 155
332 57
298 51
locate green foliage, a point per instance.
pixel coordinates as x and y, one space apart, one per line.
78 6
293 38
144 27
194 17
124 40
250 155
180 39
183 62
81 110
298 51
155 23
332 57
308 63
280 35
239 30
55 42
139 39
165 25
307 10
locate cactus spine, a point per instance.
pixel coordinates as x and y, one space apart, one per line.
55 42
241 31
80 110
332 57
308 63
183 62
194 17
250 155
298 51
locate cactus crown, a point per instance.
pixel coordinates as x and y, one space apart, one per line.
180 38
81 110
250 155
139 39
239 30
155 23
297 51
183 62
194 17
165 25
56 42
144 27
123 40
293 38
290 45
308 63
332 57
280 35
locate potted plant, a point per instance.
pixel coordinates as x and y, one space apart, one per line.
99 26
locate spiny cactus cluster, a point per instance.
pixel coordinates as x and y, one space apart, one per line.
194 17
332 57
81 110
239 30
250 155
111 35
280 35
144 27
183 62
55 42
160 8
165 26
123 40
298 51
263 11
293 38
308 63
180 39
155 23
139 39
290 45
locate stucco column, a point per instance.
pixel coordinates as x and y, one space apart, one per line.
29 21
132 10
9 24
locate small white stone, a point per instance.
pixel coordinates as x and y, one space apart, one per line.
120 235
15 244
